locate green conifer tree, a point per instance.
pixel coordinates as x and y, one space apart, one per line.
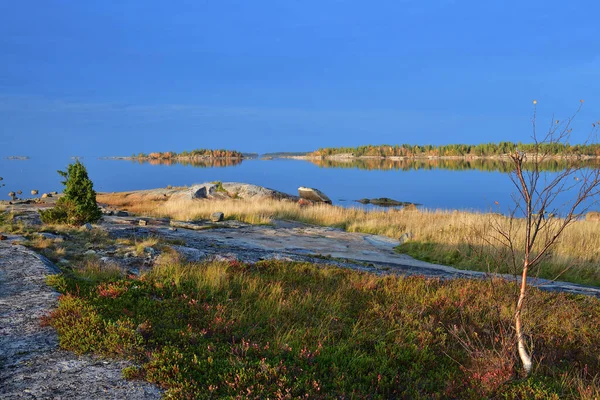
78 205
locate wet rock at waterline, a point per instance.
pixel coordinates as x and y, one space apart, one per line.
385 202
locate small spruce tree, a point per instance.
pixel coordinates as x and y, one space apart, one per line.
78 205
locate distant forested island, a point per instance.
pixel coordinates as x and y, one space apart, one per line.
17 158
455 150
189 155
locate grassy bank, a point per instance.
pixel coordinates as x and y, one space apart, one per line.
292 330
448 237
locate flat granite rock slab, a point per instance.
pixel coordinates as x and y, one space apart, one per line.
302 242
31 364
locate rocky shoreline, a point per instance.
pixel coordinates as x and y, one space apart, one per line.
33 366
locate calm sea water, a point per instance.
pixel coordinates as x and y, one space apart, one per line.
465 187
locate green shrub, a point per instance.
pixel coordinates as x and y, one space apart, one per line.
78 205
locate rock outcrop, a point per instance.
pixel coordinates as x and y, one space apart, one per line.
211 191
235 190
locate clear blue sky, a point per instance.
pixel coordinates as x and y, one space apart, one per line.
116 77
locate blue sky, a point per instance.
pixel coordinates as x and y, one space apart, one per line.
112 78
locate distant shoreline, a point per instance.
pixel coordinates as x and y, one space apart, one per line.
348 157
17 158
176 158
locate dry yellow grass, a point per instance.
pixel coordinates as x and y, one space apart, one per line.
463 239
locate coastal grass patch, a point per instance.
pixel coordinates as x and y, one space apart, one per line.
67 242
289 330
461 239
466 256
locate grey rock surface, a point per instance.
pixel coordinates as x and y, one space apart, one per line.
248 191
31 364
189 253
211 190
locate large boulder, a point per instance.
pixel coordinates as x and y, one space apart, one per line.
313 194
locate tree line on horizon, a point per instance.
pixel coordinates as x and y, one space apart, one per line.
219 153
459 150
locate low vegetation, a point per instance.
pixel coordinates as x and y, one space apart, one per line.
296 330
445 237
460 150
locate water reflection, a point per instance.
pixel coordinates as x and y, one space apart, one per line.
198 163
480 164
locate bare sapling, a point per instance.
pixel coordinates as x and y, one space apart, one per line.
548 202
